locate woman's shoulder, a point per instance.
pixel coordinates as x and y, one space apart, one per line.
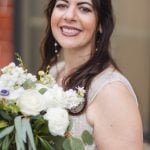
117 115
109 77
111 93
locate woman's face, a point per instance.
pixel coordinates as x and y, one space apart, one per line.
74 23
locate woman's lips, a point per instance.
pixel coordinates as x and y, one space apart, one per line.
70 31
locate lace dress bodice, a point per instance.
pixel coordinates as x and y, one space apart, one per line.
80 122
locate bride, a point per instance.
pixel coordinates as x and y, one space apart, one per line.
82 30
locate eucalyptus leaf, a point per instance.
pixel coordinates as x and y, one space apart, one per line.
24 134
5 116
28 84
19 138
19 147
44 129
29 146
43 90
38 123
73 144
6 143
46 145
58 142
6 131
87 137
29 132
1 142
3 124
70 125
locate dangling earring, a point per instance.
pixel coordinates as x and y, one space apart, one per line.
56 51
100 29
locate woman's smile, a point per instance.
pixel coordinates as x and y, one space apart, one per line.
70 31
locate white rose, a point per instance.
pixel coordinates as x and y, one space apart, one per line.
31 103
58 120
55 97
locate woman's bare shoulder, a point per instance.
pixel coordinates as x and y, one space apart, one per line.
116 118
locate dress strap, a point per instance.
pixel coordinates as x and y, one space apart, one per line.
108 77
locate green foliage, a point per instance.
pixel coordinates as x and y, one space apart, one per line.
6 143
73 144
43 90
28 129
8 110
70 125
87 138
45 144
19 59
3 124
18 135
58 142
6 131
32 133
28 84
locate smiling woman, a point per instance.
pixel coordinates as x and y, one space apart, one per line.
72 23
82 30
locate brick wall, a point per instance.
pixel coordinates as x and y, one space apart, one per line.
6 32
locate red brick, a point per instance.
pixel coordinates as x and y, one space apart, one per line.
6 50
6 35
6 23
6 32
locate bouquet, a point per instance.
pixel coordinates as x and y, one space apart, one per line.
34 112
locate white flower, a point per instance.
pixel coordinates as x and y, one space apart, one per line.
13 75
11 95
15 94
31 103
8 68
47 79
81 91
31 77
55 97
72 99
58 120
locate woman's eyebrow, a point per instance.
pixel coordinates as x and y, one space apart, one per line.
79 3
87 3
62 0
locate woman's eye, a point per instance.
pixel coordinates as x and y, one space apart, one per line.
85 9
61 6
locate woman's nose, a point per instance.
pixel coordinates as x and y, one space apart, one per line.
70 14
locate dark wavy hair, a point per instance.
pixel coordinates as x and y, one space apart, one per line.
98 61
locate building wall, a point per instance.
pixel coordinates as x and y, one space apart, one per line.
6 32
131 48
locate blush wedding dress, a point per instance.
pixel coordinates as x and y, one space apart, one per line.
80 122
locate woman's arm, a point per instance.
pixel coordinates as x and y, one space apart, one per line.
116 119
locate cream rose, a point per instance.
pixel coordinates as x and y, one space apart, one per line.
58 120
55 97
31 102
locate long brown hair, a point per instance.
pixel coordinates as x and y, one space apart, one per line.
98 61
